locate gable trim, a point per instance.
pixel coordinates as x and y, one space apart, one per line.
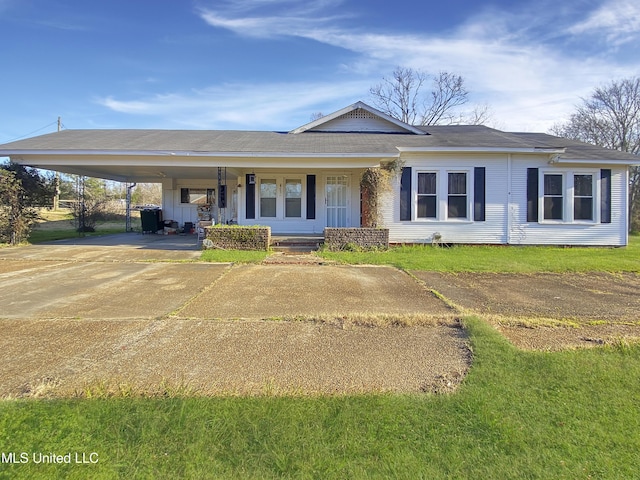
351 108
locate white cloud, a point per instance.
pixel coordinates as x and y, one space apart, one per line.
529 81
286 17
281 106
618 20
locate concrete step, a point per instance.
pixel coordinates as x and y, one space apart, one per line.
295 243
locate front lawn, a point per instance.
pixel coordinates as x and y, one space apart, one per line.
58 225
572 414
469 258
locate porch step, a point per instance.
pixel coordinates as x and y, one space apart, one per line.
296 244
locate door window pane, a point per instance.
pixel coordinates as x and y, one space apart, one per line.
336 197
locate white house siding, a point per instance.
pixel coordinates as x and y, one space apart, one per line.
491 231
592 233
174 209
302 225
506 214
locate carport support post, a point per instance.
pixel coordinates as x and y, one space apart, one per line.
128 215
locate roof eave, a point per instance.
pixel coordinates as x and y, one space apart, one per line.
179 153
593 161
547 151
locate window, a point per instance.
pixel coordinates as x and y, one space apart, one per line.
583 197
268 191
427 195
553 197
568 196
280 197
197 196
293 198
439 194
457 196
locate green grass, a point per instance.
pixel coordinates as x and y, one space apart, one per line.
572 414
233 256
461 258
39 236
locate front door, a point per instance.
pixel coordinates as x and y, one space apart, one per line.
337 200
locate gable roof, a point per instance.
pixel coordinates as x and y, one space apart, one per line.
329 142
361 118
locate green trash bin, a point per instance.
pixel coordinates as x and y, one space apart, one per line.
151 219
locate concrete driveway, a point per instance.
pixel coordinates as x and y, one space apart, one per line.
123 247
150 276
141 310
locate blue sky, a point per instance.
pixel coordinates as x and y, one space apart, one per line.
270 64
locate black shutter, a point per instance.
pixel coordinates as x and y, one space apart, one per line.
250 196
532 194
405 194
479 194
311 197
605 195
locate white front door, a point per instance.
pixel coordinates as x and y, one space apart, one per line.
337 200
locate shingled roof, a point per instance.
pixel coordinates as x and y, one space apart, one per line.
315 138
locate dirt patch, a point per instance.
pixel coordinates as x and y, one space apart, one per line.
562 337
49 358
547 311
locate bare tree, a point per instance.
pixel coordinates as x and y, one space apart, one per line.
480 115
402 96
610 118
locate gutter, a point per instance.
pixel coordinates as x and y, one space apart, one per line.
153 153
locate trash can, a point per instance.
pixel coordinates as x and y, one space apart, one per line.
151 219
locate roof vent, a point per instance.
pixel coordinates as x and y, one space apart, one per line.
358 113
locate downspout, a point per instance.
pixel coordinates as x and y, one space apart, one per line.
509 206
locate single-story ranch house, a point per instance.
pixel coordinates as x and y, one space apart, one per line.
459 184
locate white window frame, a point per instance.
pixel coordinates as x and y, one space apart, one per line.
568 197
281 196
563 189
442 194
467 194
437 195
594 189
